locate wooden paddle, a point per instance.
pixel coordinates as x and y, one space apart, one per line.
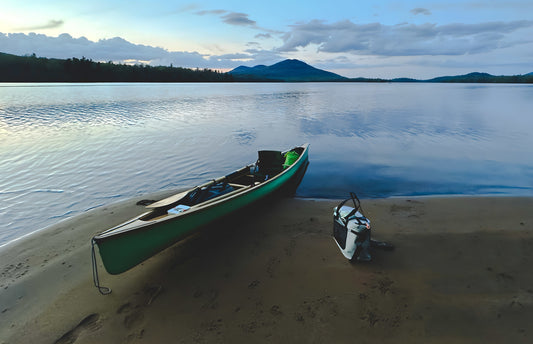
169 200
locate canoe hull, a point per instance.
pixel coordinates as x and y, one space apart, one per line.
127 249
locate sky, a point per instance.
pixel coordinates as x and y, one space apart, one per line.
374 39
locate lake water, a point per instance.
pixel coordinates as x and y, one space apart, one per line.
67 148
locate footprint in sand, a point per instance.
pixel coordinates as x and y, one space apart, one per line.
133 316
89 323
134 319
290 248
273 263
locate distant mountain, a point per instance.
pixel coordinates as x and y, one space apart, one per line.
287 70
484 78
471 77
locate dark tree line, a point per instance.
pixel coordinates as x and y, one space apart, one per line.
39 69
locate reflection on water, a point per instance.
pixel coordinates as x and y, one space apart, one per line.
66 148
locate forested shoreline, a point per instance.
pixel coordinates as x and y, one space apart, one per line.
40 69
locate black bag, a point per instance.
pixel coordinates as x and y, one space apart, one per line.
270 163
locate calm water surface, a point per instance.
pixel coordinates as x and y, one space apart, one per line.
67 148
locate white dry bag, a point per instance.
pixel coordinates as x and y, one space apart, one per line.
351 230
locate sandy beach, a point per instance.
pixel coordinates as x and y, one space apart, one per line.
460 273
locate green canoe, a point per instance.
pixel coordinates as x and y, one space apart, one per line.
173 218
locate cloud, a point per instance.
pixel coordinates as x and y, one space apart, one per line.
115 49
119 50
263 36
242 20
237 56
216 12
187 8
420 10
231 18
239 19
403 39
265 57
52 24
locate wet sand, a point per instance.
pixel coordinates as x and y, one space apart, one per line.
460 273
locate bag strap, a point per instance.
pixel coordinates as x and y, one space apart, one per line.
357 206
356 203
337 213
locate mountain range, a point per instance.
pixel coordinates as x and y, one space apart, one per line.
298 71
